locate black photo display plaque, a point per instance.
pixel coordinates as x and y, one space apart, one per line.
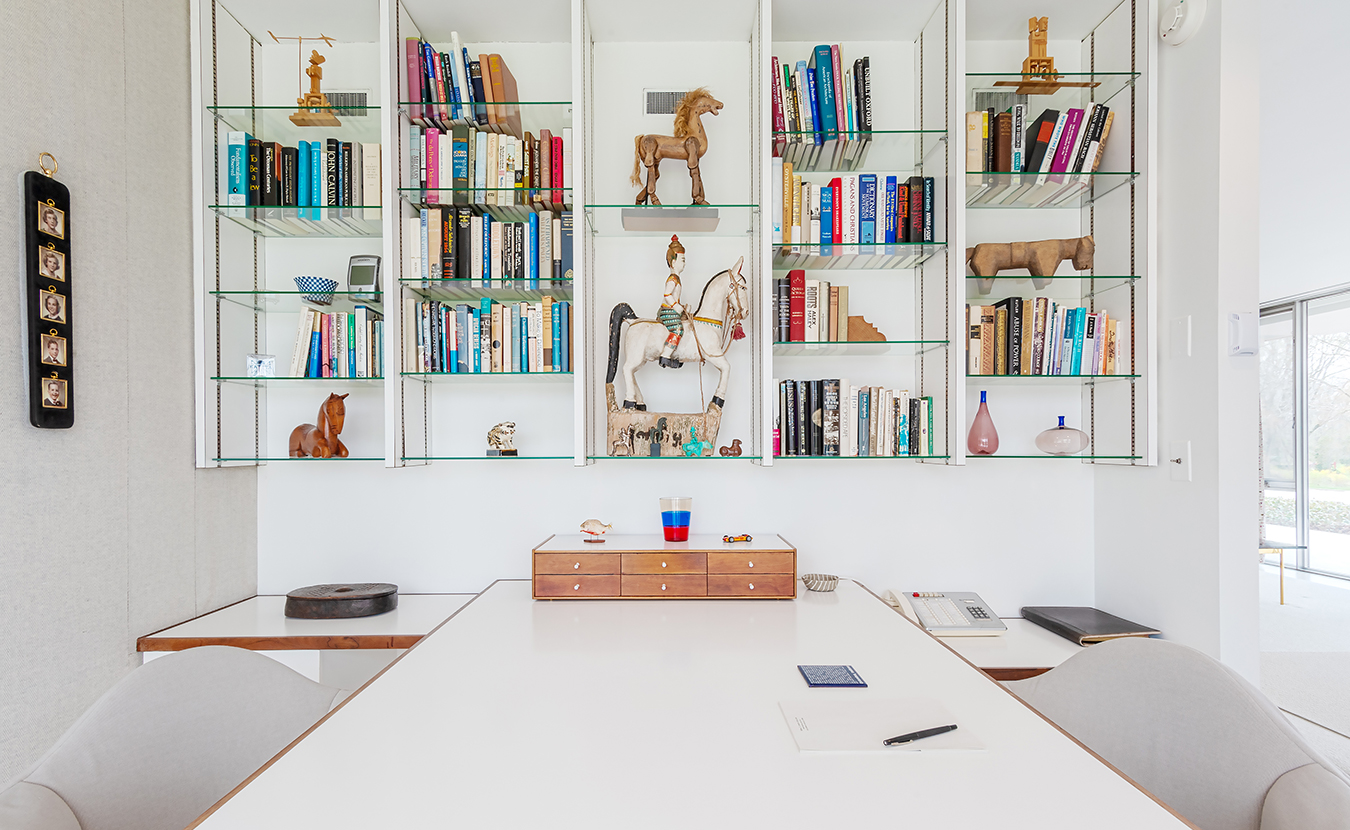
51 384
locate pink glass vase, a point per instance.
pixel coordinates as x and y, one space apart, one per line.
983 438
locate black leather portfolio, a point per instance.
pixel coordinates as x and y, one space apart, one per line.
1082 625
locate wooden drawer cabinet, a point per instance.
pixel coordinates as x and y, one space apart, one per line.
648 567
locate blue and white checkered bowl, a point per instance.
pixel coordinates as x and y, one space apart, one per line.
318 290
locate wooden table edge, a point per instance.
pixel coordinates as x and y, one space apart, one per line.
283 643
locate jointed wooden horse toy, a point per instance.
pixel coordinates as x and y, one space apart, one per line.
321 441
688 143
714 325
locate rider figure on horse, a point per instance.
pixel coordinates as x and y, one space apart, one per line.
672 311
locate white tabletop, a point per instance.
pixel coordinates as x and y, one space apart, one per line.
582 714
654 543
1024 645
263 618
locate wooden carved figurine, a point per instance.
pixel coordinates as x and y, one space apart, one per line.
1038 66
321 441
315 111
733 451
690 142
1041 258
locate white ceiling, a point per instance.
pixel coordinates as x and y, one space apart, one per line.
818 21
345 21
493 21
1007 19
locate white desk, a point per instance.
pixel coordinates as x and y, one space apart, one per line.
609 714
1026 650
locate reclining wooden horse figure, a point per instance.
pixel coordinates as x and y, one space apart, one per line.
1041 259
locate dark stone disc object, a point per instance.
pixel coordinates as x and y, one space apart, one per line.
336 602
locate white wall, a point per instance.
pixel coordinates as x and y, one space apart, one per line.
1182 555
1301 207
107 532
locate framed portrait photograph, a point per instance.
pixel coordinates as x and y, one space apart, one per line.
51 306
51 220
53 350
54 393
262 366
51 264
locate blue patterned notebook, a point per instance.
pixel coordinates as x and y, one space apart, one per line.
831 676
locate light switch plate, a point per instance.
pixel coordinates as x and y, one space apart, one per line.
1181 336
1179 460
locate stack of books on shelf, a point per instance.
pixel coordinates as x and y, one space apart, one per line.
489 337
809 311
453 243
339 345
834 418
855 209
446 88
315 175
1044 163
822 110
1038 336
510 176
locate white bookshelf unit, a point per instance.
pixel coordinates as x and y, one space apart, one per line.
585 65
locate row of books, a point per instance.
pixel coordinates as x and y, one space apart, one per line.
1044 163
854 209
834 418
809 311
316 174
463 165
446 88
343 344
1038 336
455 243
822 111
489 337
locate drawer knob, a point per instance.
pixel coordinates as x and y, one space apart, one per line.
577 565
752 564
663 586
576 587
752 586
663 564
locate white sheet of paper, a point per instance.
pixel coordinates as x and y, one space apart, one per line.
838 724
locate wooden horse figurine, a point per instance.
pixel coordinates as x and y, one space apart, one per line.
1041 259
688 143
308 440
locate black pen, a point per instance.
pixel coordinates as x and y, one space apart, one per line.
918 736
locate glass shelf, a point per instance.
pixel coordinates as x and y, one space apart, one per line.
1086 285
552 115
469 290
356 221
265 381
663 220
1063 457
841 256
293 301
880 150
416 197
1075 89
674 458
361 124
1069 379
288 458
874 347
487 458
467 377
1076 190
860 457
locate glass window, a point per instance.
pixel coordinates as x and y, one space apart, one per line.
1278 432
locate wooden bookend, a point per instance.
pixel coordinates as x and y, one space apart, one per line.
861 331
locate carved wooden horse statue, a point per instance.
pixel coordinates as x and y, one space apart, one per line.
321 441
1041 259
688 143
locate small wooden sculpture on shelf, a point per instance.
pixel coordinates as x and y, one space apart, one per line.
861 331
593 530
321 441
1038 70
690 142
1041 258
500 439
733 451
315 111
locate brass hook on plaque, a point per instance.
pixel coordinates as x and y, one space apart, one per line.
42 165
54 332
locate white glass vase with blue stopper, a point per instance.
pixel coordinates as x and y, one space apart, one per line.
1062 440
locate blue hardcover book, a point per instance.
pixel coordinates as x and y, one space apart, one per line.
447 338
566 244
813 103
864 419
487 250
524 341
823 64
826 219
890 210
315 351
514 308
867 208
566 362
452 337
464 325
555 323
316 159
238 168
302 178
429 70
1079 327
475 334
532 245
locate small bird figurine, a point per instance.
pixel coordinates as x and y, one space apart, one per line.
594 529
733 451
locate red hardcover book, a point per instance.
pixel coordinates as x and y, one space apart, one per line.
432 147
836 211
558 183
413 47
779 141
796 306
902 212
326 352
